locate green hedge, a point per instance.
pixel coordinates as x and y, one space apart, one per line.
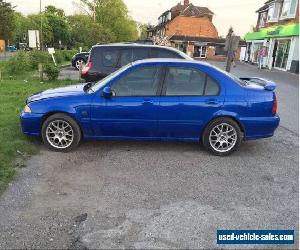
24 62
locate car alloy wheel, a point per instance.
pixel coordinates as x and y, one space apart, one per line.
59 134
78 63
223 137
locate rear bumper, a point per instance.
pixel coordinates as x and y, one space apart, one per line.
31 123
260 127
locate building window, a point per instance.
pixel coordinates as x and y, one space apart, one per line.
273 12
289 8
262 19
219 51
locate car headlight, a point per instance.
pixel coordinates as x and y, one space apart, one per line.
27 109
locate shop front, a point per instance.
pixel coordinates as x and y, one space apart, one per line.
282 43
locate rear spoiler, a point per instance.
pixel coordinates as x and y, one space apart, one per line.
267 84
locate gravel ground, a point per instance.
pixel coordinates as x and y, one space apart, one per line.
157 194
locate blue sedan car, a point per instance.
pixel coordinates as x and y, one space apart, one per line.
156 99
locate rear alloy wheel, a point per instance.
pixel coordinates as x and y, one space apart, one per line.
79 62
222 136
61 133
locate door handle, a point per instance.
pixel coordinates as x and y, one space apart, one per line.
148 101
212 102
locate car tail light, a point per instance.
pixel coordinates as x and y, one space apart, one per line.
86 68
274 108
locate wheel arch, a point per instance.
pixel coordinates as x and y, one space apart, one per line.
45 116
232 117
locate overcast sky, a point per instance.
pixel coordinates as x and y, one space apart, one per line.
240 14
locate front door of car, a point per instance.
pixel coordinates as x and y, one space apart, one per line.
189 99
132 109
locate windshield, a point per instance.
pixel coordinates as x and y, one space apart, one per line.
105 80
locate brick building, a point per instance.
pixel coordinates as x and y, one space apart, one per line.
190 29
277 28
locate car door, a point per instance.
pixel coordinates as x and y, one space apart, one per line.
108 61
189 99
132 110
125 57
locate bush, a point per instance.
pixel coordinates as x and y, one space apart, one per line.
51 71
18 64
36 57
64 55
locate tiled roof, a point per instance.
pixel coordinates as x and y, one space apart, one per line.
265 6
190 10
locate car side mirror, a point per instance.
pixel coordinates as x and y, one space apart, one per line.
107 92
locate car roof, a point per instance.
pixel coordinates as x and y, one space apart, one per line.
137 45
129 44
171 60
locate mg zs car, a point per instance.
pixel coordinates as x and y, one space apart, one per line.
156 99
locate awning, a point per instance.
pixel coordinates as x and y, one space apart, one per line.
274 31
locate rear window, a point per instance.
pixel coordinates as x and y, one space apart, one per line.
110 57
104 56
212 87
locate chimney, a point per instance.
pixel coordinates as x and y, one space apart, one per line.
186 2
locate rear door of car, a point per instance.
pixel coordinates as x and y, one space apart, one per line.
140 53
105 60
189 99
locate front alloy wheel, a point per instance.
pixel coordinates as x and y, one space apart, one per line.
60 132
222 136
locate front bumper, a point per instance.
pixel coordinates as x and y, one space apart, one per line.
31 123
260 127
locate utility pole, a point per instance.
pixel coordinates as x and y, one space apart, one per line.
94 11
41 28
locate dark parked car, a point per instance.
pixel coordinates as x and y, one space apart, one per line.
80 58
107 58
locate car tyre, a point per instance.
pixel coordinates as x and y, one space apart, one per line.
78 62
61 133
222 136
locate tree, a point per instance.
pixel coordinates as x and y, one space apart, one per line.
19 33
113 15
85 33
59 25
7 21
143 30
34 23
50 9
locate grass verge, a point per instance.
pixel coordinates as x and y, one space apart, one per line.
14 146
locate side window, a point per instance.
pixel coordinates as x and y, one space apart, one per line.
126 57
110 57
164 53
142 81
212 87
140 53
185 82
